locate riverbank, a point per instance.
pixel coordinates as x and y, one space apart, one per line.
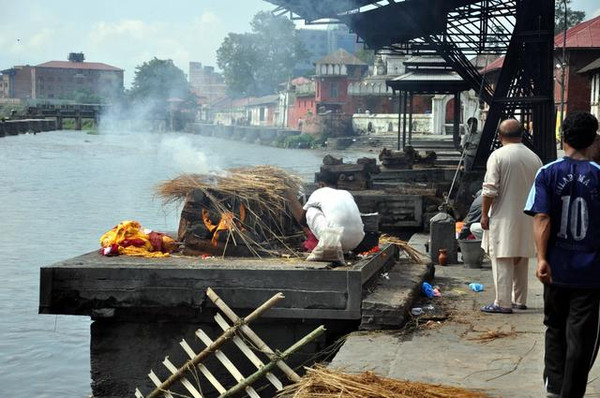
456 344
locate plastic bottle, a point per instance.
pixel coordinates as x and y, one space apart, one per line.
476 287
427 290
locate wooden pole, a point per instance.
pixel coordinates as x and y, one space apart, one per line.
160 389
253 337
259 373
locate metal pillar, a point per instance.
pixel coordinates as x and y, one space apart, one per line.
456 124
399 118
404 112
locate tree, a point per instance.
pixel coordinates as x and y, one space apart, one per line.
365 55
256 63
573 17
157 81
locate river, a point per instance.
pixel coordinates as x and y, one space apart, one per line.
59 192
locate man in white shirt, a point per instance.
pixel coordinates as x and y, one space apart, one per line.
328 207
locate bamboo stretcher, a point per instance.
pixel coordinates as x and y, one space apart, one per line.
230 333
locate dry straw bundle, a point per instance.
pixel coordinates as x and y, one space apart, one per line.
320 382
260 189
412 253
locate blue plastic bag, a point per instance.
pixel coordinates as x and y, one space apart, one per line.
427 290
476 287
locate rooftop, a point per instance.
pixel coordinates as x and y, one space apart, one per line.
583 35
591 67
78 65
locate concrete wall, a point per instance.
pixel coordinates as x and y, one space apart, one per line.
381 123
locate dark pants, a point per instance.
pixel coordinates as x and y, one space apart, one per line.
572 338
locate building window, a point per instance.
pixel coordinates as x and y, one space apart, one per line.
261 114
333 90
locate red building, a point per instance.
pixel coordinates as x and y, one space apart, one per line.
301 99
582 46
334 73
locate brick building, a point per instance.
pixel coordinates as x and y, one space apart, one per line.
16 82
207 84
62 79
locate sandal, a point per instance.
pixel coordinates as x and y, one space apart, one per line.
494 309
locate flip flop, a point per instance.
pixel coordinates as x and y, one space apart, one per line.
494 309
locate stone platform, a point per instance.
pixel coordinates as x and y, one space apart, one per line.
142 308
111 287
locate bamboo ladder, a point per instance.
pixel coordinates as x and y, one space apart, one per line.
276 359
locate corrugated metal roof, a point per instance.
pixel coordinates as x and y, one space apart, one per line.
593 66
426 59
583 35
78 65
340 57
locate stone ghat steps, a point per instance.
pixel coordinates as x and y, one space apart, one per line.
447 155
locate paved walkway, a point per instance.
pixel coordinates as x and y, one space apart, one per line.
444 345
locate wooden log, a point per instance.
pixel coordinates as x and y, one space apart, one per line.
259 373
253 337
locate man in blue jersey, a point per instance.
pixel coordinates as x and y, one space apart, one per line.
565 203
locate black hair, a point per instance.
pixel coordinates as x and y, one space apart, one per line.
328 179
579 129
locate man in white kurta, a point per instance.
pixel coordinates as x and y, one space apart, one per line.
508 236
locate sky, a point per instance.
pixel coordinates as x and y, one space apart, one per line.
127 33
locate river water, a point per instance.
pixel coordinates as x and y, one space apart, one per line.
59 192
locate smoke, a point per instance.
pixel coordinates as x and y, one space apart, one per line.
186 158
139 116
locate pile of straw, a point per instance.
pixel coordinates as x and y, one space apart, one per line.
412 253
491 335
320 382
261 189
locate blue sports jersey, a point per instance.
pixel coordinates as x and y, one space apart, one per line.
568 191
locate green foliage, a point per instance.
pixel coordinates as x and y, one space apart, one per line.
7 109
299 141
255 63
158 80
86 124
573 17
365 55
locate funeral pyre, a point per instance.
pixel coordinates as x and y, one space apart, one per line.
241 212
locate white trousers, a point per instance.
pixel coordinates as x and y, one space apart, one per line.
511 280
476 230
